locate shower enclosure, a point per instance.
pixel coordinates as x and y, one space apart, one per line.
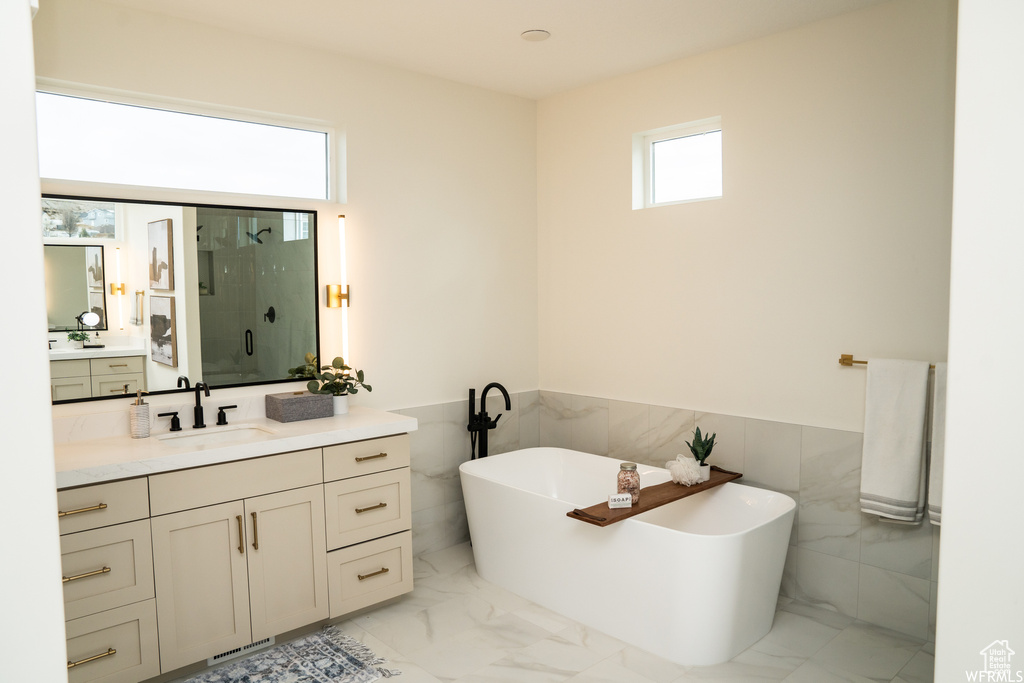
257 292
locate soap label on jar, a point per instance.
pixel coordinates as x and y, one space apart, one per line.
620 500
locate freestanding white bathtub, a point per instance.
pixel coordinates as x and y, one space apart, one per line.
695 581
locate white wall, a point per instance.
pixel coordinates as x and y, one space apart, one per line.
32 629
981 596
441 188
832 236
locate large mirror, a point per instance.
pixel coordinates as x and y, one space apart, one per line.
226 295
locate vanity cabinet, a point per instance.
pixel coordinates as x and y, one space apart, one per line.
107 566
92 377
238 572
70 379
369 522
171 569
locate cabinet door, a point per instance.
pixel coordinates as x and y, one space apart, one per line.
202 589
287 560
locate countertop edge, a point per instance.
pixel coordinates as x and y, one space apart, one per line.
130 458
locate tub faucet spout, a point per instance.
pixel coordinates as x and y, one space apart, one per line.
479 422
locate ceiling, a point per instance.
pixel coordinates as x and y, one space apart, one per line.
478 42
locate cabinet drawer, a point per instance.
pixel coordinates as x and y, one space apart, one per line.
116 366
66 388
186 489
365 574
127 633
91 507
362 508
114 385
69 368
106 568
366 457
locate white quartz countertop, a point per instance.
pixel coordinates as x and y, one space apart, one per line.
69 353
98 460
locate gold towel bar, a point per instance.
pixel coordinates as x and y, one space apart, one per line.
847 360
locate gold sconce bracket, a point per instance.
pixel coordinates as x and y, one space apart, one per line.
335 296
114 289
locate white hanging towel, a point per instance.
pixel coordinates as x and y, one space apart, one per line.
892 475
938 450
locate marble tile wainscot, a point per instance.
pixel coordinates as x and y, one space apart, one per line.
839 559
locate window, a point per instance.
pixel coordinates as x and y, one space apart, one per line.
105 142
678 164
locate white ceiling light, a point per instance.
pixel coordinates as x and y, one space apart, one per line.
535 35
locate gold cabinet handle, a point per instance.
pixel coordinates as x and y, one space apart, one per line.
117 365
241 535
371 457
372 507
255 534
382 570
105 570
109 653
101 506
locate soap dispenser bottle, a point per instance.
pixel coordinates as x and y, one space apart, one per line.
138 414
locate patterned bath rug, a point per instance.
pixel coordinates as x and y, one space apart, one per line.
327 656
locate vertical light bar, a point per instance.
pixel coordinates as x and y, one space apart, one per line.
120 299
344 288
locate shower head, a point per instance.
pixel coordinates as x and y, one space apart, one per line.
256 237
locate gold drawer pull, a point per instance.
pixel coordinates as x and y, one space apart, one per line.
382 570
110 652
105 570
255 534
241 535
101 506
378 506
371 457
117 365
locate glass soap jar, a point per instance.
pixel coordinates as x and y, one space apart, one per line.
629 481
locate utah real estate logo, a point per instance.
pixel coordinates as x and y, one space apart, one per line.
996 658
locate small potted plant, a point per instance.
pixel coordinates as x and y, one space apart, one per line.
305 371
335 379
78 338
701 449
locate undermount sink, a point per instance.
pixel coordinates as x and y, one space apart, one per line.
213 435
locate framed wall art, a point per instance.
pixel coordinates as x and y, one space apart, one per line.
163 344
161 256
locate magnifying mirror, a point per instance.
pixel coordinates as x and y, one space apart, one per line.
87 319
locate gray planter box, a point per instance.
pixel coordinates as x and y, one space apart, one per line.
299 405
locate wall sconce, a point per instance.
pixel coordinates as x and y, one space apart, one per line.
114 289
335 296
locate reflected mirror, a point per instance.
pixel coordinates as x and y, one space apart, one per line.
74 286
220 294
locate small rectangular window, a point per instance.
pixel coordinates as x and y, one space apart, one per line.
105 142
678 164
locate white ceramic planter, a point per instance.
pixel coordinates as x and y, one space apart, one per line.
341 404
705 472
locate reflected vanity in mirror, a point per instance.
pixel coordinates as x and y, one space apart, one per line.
179 290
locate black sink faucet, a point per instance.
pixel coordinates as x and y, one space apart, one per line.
480 423
182 379
200 386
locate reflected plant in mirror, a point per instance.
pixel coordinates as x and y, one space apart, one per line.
232 266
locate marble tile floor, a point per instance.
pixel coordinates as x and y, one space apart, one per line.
455 627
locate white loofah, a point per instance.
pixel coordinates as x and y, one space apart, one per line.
684 470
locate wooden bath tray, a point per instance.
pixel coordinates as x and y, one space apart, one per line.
650 497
